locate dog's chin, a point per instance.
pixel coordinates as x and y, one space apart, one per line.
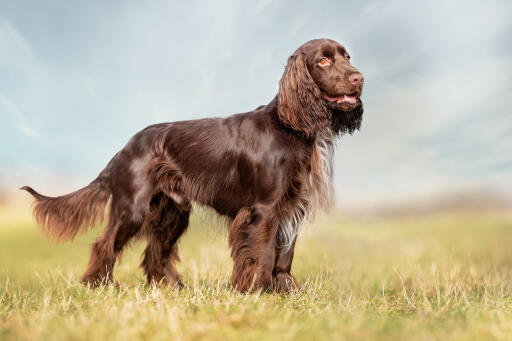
344 106
346 117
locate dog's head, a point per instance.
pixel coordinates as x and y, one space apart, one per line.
320 88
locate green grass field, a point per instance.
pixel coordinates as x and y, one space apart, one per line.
437 277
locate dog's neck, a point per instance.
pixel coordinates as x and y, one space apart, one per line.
341 121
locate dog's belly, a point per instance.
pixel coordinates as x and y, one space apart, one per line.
227 190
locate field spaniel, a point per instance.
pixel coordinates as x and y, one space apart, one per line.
266 170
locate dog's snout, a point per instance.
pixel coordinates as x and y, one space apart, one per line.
356 79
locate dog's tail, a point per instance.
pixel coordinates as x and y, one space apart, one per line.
64 217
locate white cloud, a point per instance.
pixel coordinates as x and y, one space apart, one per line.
14 48
28 131
12 110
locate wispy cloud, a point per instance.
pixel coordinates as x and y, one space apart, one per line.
9 108
28 131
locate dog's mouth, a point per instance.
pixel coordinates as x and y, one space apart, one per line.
349 99
343 102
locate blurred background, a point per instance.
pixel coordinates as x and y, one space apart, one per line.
79 78
418 244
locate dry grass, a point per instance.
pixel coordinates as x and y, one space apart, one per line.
435 277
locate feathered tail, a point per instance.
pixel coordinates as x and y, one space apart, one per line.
64 217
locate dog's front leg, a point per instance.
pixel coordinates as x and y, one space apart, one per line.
284 280
252 237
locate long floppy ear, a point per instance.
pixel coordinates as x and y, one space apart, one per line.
300 103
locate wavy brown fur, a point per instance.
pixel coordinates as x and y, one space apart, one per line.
252 235
64 217
301 106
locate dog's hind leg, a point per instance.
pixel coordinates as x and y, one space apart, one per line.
106 249
132 192
165 224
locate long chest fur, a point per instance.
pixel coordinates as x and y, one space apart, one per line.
316 192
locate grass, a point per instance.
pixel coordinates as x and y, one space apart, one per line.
437 277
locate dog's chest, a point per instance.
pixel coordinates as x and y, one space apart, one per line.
315 192
325 150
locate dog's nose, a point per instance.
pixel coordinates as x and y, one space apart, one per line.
356 79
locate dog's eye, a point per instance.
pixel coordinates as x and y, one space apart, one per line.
347 57
324 61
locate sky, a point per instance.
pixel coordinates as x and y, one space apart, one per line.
79 78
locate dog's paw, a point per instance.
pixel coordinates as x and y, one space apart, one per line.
177 284
95 281
285 282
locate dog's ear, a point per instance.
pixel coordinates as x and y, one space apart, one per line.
300 103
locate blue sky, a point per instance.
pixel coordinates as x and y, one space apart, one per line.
79 78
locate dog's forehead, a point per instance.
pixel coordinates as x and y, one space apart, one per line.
320 46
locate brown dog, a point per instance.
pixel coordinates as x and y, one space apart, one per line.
266 170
